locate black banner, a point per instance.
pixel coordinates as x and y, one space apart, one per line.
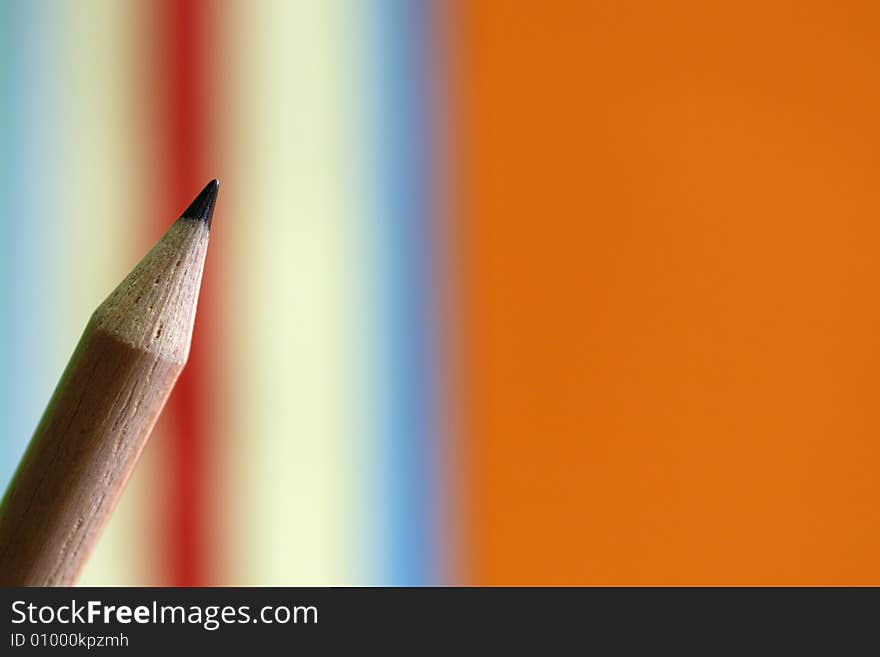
237 619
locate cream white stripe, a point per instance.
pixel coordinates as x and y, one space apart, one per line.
97 155
296 421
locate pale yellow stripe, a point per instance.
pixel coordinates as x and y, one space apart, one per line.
96 187
293 207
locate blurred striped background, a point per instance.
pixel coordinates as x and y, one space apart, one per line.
300 444
498 292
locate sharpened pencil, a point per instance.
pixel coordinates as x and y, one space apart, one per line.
104 408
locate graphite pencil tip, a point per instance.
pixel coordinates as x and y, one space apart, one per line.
202 208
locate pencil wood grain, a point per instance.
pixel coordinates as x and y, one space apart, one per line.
102 412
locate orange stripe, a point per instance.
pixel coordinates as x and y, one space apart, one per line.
669 242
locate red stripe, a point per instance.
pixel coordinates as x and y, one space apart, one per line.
181 50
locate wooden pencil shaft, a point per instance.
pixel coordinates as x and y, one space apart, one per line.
101 414
91 435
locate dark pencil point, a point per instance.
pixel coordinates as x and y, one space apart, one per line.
202 208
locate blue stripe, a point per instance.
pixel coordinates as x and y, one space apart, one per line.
407 422
26 220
